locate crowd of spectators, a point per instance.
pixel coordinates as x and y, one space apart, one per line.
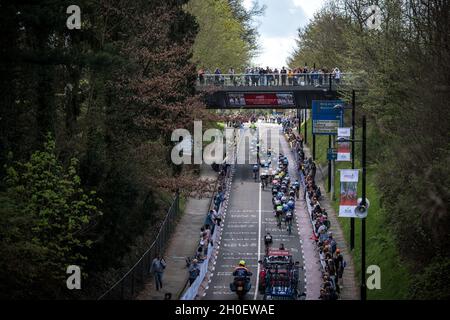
331 260
257 76
213 219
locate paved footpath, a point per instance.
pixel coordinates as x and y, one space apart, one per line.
188 227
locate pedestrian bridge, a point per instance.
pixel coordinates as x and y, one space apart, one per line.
250 91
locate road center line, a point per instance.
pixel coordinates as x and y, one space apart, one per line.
259 244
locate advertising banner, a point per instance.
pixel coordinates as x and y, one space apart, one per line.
349 194
260 99
325 117
343 149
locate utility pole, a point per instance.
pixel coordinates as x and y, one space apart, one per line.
363 220
329 165
314 147
332 172
306 126
352 220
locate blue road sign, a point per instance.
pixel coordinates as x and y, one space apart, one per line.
331 154
326 119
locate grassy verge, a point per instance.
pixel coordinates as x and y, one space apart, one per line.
380 245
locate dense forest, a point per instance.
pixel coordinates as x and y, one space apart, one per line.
402 76
85 119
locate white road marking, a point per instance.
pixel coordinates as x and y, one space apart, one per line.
259 245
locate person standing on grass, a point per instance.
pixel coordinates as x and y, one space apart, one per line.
157 268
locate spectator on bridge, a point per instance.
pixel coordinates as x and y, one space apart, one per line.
337 75
201 76
231 72
208 78
255 77
290 75
270 76
283 73
247 76
217 77
277 76
262 76
320 75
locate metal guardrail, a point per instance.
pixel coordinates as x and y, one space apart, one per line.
134 280
273 79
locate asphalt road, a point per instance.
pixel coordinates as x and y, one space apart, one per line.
249 216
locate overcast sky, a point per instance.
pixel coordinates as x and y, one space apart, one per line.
278 28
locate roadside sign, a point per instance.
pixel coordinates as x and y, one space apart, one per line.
326 119
331 154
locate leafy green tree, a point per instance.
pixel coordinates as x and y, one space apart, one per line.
45 214
403 87
222 41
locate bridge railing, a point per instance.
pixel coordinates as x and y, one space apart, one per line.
273 79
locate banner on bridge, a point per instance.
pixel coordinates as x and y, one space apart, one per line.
349 194
325 117
238 99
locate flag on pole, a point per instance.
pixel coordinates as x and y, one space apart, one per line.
349 194
343 149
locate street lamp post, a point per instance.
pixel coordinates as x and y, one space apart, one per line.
352 220
314 147
363 221
329 165
306 125
363 203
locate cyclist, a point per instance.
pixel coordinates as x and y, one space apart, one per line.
285 208
278 214
291 204
255 171
263 178
274 191
288 220
292 191
268 241
296 185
